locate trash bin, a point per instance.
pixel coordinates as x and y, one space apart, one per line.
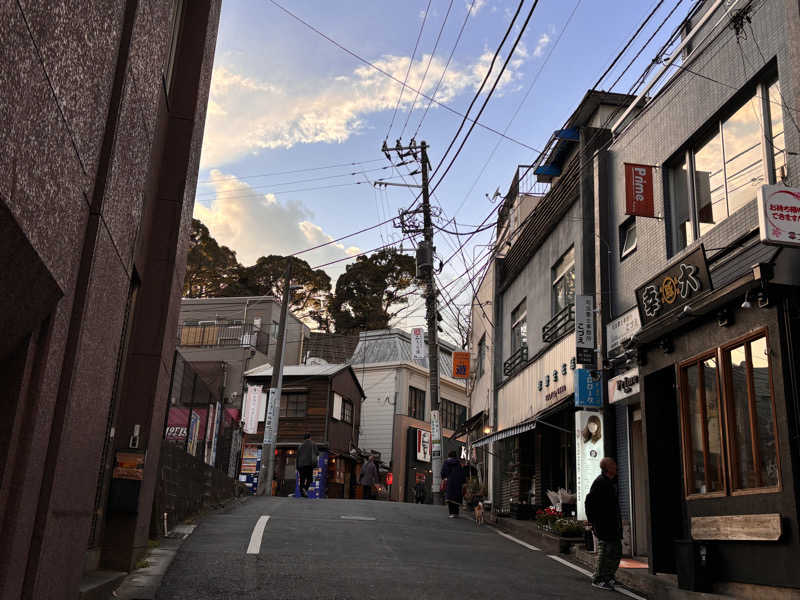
692 563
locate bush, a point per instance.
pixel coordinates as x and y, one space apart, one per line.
568 527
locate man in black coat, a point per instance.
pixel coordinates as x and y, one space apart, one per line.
307 456
602 510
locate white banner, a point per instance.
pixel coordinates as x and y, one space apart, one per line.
622 329
417 343
273 407
584 330
251 408
436 435
588 453
423 445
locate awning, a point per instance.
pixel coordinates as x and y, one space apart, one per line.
469 424
505 433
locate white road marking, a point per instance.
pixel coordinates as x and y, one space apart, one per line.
258 533
620 589
516 541
356 518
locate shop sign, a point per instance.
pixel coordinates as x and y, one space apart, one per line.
639 190
252 401
460 365
584 330
622 329
417 343
423 445
623 386
436 435
674 287
779 215
129 465
273 405
587 390
217 421
175 433
588 454
194 433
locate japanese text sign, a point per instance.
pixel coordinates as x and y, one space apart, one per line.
639 190
423 445
584 330
460 365
674 287
417 343
779 215
587 390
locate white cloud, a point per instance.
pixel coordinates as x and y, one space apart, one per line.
255 224
544 41
247 114
477 6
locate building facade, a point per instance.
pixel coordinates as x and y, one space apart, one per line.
101 144
702 316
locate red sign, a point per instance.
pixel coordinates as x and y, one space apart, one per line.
639 190
389 479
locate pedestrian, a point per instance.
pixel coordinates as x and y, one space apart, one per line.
420 492
369 478
602 511
455 474
307 456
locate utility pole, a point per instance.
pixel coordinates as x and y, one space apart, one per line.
273 412
425 272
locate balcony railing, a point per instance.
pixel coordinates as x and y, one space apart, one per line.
515 361
218 334
563 322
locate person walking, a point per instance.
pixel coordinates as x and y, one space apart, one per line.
369 478
307 456
602 511
420 492
455 474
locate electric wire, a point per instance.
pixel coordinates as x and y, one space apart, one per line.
289 172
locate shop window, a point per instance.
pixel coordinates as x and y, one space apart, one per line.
627 237
753 440
519 326
294 404
347 411
727 166
564 281
481 356
416 403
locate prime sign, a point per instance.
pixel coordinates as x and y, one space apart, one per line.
639 190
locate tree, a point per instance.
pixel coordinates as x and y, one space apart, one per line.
210 268
369 289
268 276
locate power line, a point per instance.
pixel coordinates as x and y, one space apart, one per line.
393 78
338 260
347 164
408 71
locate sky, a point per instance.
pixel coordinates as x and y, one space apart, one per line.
295 124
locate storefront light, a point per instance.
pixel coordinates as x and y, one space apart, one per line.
487 430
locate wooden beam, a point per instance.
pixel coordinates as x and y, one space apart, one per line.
764 528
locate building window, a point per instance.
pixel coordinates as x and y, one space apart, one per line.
627 237
416 403
481 356
729 430
294 404
519 326
564 281
453 415
752 435
722 171
347 411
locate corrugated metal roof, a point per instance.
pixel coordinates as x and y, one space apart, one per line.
297 370
394 345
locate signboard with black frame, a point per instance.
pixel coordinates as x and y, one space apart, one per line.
674 287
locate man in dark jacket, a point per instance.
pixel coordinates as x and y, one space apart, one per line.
602 510
307 456
369 478
454 473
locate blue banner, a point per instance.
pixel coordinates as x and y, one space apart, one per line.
587 390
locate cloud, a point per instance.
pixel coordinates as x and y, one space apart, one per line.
255 224
247 114
477 6
544 41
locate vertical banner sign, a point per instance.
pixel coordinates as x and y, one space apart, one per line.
639 190
436 435
423 445
217 421
251 408
588 453
587 390
269 418
209 434
194 433
460 365
417 343
584 330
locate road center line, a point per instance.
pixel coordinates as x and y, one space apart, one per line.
516 541
258 532
620 589
356 518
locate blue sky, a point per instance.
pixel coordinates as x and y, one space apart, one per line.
285 99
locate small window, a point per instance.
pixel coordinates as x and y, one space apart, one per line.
294 405
564 281
347 411
453 415
627 237
519 326
337 406
416 403
481 356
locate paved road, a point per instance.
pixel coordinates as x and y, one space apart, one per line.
337 549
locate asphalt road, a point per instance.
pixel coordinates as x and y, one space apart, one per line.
337 549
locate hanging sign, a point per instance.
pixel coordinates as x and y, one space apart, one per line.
584 330
588 454
623 386
417 343
779 215
251 408
436 435
423 445
639 190
622 329
674 287
460 365
587 390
